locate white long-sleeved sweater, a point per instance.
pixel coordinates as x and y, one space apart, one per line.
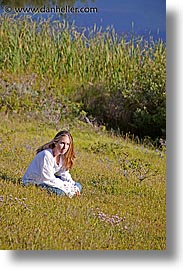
43 168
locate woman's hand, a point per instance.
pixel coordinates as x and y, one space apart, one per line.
77 193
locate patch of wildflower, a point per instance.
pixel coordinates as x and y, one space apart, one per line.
12 201
113 220
162 143
1 198
160 153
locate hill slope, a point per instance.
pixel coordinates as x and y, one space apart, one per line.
122 206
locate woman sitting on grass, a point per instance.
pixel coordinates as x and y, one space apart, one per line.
50 167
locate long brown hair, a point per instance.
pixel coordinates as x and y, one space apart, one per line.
68 158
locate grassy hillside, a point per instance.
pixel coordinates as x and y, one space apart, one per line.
54 76
122 206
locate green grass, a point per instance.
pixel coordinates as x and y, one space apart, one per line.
52 76
63 52
119 80
119 177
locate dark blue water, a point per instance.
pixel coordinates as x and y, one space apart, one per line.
142 17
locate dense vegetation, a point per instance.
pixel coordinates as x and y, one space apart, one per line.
119 81
58 77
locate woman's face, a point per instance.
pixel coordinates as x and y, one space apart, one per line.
62 146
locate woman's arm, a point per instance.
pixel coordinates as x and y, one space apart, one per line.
66 176
47 172
49 178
